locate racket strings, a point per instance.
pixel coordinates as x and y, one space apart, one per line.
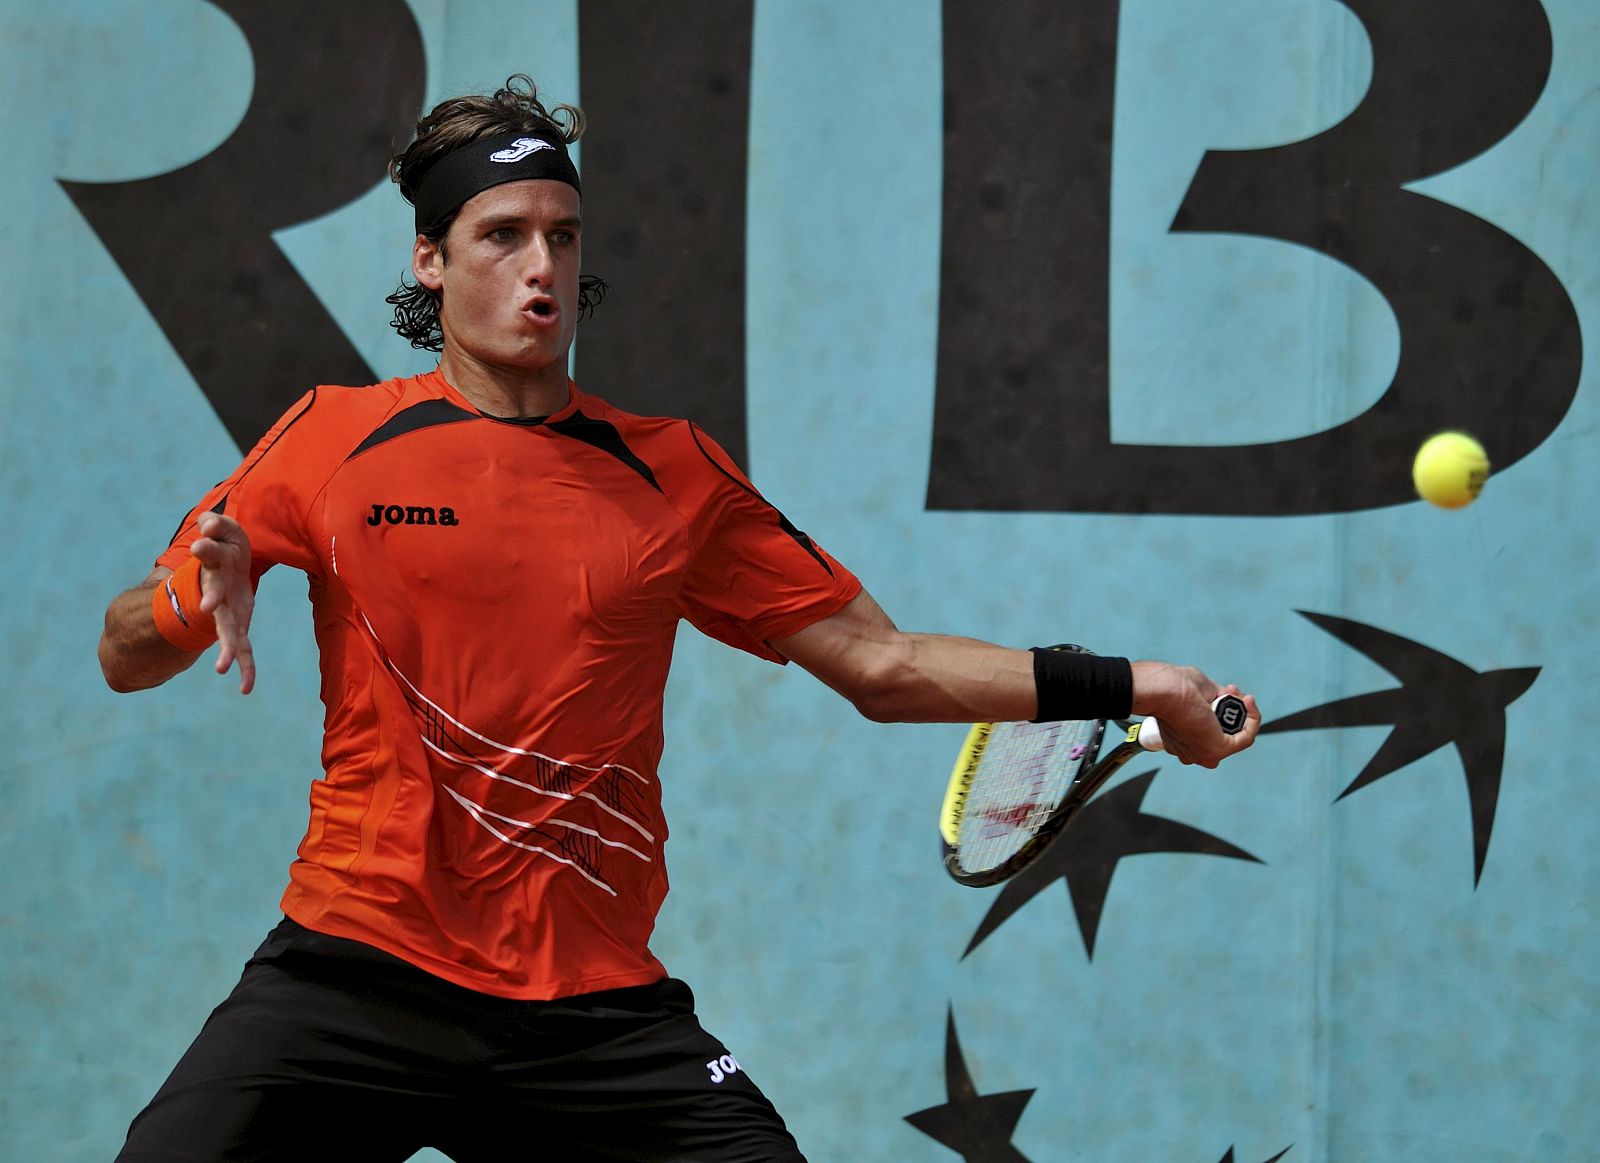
1024 773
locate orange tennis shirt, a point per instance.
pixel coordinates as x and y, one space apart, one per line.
495 604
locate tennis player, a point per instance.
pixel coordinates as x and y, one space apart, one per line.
498 562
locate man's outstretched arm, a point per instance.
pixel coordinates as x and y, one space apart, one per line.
894 676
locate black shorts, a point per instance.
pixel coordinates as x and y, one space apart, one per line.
330 1049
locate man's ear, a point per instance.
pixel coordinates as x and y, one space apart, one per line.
427 263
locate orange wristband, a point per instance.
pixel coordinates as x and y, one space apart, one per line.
175 603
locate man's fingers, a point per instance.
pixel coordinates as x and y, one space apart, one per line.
216 525
1252 721
1209 748
217 590
213 577
233 639
233 617
1243 738
224 556
223 551
213 592
247 669
239 650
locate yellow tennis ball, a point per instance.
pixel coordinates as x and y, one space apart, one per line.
1450 470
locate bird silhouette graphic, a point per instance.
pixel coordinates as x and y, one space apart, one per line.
1439 701
1110 827
978 1127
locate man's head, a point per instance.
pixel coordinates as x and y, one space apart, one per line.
472 145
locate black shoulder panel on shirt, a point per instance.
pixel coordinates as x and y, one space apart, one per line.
804 541
222 502
784 523
424 415
603 435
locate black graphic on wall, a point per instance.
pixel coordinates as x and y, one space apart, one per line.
1440 702
978 1127
667 91
1024 270
1085 856
1489 340
338 87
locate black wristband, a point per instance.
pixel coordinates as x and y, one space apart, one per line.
1073 684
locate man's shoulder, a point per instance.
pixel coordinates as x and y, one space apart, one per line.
371 399
331 420
686 460
600 408
331 409
651 437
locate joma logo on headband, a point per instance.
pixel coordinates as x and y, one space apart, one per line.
519 149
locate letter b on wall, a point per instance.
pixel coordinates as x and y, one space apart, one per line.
1489 338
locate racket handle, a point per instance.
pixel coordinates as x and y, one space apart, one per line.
1231 715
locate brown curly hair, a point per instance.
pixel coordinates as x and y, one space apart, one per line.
513 108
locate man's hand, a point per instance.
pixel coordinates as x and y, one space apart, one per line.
1180 698
225 592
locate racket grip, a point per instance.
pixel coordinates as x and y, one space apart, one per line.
1231 716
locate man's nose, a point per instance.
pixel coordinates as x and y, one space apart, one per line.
538 264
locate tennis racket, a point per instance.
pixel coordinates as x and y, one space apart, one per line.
1017 785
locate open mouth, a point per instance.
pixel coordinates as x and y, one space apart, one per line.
542 308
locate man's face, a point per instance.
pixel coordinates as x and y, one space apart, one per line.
509 286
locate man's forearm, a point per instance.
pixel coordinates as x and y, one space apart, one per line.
133 654
936 678
892 676
958 679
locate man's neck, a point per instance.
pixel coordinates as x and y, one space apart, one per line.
509 393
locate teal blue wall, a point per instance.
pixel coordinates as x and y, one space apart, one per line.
1352 994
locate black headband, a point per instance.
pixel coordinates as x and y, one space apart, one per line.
486 162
